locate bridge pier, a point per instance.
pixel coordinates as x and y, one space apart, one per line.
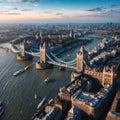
26 57
41 66
38 66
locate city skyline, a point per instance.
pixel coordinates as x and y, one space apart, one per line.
59 11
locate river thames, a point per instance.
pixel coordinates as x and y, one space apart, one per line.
17 93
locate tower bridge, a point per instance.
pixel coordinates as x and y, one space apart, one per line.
80 64
47 58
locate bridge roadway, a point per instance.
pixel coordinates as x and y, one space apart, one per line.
52 61
62 65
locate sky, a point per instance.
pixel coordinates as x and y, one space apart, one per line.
78 11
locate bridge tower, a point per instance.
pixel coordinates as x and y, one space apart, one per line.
107 76
81 56
80 59
22 49
22 55
42 64
43 53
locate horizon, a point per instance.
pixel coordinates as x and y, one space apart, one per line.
59 11
56 23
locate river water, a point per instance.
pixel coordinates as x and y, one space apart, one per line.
17 93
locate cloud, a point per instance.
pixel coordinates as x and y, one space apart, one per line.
59 14
115 5
3 12
14 8
116 11
13 13
52 13
26 1
11 9
35 5
26 9
102 16
9 13
48 12
97 9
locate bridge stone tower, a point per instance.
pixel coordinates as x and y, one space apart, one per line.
43 53
81 56
42 64
22 55
107 76
22 49
80 59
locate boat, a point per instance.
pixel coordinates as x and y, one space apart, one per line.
50 101
27 67
18 72
35 96
41 102
47 80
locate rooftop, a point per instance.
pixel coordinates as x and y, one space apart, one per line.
91 99
73 114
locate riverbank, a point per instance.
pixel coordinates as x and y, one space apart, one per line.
71 46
